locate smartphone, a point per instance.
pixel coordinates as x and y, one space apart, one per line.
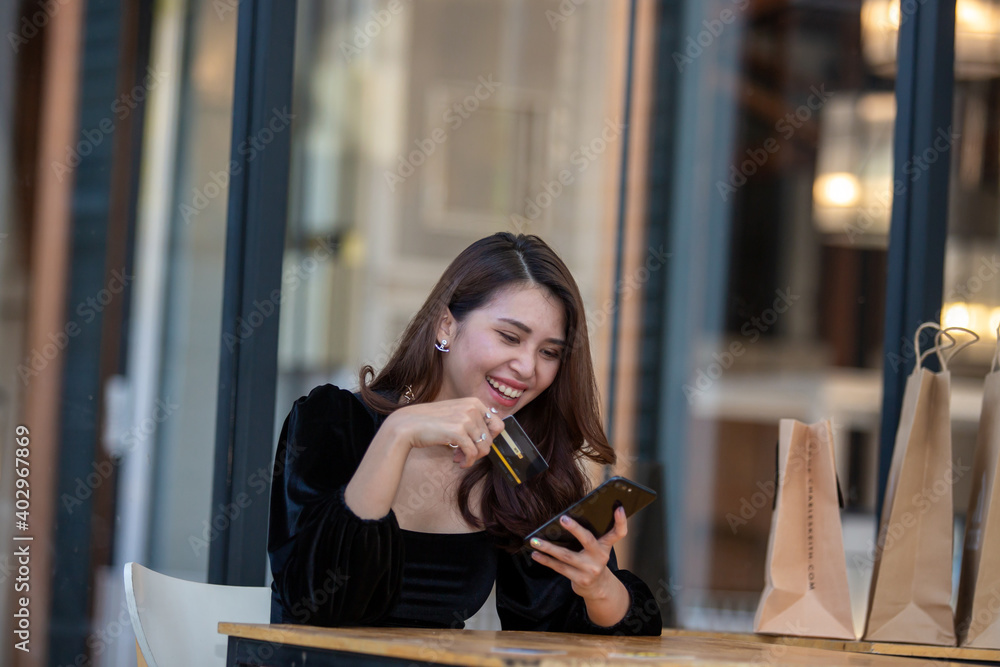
595 512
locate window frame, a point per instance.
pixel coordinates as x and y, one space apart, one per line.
255 239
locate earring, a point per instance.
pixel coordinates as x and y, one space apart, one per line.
408 394
442 346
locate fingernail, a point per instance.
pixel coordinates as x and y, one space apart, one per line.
535 542
565 520
494 410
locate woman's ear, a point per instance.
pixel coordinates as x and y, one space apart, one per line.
447 328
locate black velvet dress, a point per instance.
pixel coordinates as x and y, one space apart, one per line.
332 568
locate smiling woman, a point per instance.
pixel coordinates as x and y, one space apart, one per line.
503 332
491 335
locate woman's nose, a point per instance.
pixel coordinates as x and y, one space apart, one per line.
524 364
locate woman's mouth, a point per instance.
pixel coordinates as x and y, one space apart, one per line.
506 395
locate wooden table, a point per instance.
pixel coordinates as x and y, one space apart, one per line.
303 646
982 656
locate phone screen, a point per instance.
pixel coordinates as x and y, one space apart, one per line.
596 512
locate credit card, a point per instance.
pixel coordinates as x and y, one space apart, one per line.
515 454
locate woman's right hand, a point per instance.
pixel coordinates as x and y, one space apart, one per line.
462 422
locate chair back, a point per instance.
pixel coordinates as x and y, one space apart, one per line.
176 621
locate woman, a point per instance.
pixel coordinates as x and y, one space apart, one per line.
384 509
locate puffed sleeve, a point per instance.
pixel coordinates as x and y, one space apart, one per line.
330 567
531 596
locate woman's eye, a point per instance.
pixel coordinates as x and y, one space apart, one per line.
552 354
507 337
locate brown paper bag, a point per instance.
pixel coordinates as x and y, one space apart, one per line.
805 590
977 618
910 595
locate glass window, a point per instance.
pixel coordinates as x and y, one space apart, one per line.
779 226
191 251
422 127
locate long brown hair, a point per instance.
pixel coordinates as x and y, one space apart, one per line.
564 421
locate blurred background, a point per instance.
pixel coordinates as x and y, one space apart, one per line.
717 174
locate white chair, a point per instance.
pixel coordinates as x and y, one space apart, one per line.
176 621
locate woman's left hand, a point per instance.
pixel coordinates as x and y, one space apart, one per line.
587 569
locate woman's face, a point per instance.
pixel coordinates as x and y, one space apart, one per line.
507 352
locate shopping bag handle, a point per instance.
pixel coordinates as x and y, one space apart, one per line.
935 348
960 346
939 349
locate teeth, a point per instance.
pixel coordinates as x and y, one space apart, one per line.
504 389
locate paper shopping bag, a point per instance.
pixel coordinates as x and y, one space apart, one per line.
910 595
805 591
977 618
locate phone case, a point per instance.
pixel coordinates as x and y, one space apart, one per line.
595 512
